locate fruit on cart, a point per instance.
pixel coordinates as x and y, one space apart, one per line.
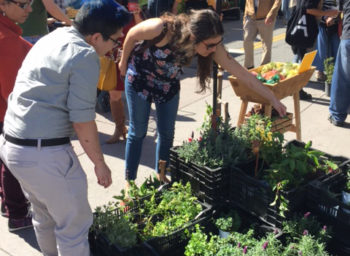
274 72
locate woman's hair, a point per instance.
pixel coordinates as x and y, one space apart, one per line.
202 25
205 24
101 16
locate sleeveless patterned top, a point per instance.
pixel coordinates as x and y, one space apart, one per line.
153 73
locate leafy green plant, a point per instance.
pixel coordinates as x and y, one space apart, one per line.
347 185
148 187
329 69
297 165
299 226
118 230
216 147
257 135
229 222
237 244
176 208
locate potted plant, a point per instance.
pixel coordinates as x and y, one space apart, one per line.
328 68
227 224
346 193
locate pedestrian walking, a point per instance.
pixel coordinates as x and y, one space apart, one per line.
259 19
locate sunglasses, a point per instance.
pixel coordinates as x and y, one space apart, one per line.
21 5
211 46
117 43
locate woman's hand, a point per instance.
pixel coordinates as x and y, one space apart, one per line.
279 106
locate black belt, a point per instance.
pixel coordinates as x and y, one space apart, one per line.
37 142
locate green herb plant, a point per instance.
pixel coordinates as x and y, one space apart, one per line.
148 187
118 230
297 165
229 222
329 69
217 147
176 208
257 135
347 185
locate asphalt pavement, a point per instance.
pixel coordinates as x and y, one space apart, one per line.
314 127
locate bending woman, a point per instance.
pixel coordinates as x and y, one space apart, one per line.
152 70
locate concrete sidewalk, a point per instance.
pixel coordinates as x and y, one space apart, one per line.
314 123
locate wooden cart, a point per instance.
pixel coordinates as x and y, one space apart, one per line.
288 87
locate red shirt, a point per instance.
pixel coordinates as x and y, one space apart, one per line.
13 49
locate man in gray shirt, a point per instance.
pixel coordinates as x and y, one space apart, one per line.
54 95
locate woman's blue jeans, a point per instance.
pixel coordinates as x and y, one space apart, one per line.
139 112
340 90
327 46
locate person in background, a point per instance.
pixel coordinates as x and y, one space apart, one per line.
53 97
313 7
13 49
115 96
157 7
339 107
327 39
36 25
152 71
259 18
285 10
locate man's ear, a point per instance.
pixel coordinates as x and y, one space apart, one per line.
95 38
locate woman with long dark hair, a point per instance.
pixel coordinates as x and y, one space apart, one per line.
153 69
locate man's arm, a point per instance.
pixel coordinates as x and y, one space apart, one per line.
271 16
88 138
56 12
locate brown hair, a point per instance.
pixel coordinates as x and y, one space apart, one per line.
200 24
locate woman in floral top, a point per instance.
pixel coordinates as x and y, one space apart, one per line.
152 73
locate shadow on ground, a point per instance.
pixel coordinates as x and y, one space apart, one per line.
28 235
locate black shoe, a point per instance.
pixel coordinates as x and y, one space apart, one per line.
304 95
3 211
18 224
335 122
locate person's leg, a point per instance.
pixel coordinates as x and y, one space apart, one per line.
250 33
334 45
14 199
166 117
266 34
322 45
340 90
56 185
285 9
139 110
118 115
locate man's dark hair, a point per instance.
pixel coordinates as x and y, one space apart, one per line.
101 16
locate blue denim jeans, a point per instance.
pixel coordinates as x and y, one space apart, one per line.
327 46
139 111
340 90
285 9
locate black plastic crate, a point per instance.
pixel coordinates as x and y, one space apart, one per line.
255 196
100 246
324 200
209 185
247 221
164 245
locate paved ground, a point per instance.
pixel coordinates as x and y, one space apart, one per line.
315 127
